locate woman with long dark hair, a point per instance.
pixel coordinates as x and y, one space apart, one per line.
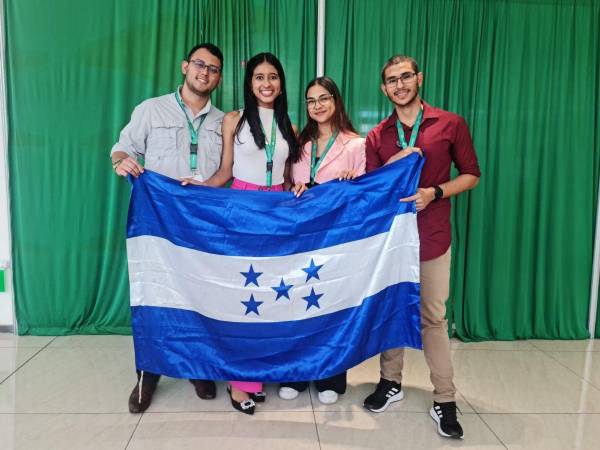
259 140
330 149
258 143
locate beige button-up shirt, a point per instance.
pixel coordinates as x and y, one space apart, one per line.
158 132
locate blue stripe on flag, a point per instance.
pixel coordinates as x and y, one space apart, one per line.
244 223
186 344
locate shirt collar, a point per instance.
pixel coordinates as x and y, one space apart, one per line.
204 110
346 137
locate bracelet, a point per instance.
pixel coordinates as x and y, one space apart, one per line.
116 164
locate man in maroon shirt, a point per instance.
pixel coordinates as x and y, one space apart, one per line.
442 137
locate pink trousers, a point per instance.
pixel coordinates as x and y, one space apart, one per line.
244 186
251 386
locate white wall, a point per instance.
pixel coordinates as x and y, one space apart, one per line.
6 298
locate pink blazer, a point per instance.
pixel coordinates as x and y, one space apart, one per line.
346 153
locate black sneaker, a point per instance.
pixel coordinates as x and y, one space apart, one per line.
445 416
386 392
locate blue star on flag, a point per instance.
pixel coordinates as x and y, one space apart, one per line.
312 299
251 276
282 290
312 271
252 306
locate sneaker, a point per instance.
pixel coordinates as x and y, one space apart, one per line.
386 392
445 416
288 393
328 397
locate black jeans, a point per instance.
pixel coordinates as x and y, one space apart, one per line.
149 377
335 383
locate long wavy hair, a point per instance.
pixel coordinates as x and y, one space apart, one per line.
250 114
339 120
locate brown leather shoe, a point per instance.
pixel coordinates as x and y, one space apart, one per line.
205 389
140 403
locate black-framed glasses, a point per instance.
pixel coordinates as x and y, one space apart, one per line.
311 102
201 65
405 78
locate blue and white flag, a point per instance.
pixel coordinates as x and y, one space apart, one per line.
263 286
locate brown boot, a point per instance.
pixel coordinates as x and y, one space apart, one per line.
141 395
205 389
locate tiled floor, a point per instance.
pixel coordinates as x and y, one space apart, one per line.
71 393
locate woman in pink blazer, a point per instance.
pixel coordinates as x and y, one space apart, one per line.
330 146
330 149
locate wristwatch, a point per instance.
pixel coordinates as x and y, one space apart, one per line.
439 193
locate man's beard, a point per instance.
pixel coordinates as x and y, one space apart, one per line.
411 101
194 90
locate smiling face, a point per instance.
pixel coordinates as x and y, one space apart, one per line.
401 84
320 104
202 81
266 84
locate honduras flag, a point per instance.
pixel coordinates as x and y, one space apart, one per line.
264 286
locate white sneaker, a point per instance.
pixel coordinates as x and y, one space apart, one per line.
288 393
328 397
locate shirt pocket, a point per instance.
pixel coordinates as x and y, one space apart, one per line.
163 140
215 141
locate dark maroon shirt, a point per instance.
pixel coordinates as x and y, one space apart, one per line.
444 138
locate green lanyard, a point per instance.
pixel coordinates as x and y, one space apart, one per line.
193 133
314 164
413 137
270 150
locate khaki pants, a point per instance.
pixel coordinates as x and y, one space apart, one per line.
435 287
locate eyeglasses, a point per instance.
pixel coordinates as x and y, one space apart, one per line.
311 102
405 78
201 65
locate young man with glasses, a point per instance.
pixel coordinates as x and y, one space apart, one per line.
443 138
177 135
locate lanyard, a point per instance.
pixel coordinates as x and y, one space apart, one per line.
270 150
413 137
314 164
193 133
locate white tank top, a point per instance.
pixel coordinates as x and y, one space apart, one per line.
250 162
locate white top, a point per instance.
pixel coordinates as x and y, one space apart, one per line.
250 162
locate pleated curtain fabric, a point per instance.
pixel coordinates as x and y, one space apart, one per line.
524 74
526 77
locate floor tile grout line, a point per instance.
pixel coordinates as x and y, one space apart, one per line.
28 359
545 352
134 430
493 432
467 401
486 413
123 413
570 351
531 350
314 415
480 418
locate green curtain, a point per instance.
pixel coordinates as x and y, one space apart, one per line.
75 71
524 74
526 77
243 28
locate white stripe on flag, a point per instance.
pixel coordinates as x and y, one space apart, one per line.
163 274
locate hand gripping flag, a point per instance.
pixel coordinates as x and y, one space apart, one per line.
263 286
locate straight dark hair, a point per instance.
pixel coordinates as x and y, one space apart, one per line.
212 49
340 120
251 115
